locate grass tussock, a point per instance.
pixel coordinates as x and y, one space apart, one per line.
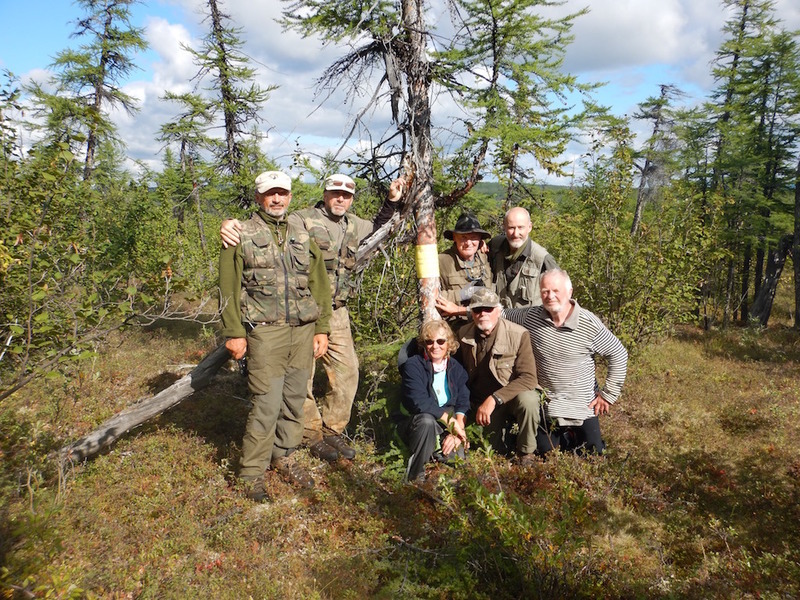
696 498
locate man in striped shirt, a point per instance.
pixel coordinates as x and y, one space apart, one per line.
565 340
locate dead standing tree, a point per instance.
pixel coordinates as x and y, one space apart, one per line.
421 190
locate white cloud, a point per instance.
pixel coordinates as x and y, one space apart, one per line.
174 66
635 45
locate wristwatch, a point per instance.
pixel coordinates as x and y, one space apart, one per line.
497 399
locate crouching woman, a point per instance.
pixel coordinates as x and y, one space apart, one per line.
436 397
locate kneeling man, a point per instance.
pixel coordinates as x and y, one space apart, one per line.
498 358
565 339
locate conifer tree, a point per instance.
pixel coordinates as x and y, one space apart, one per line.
236 98
88 78
753 110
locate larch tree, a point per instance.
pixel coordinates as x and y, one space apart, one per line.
88 78
753 111
190 132
235 97
498 61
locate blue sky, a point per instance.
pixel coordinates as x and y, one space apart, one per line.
634 45
33 31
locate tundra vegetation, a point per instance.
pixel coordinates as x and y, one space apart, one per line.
682 243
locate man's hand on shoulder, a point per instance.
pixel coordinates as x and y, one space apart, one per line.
396 190
447 308
237 347
229 232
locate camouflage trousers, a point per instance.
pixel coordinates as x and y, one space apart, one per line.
341 367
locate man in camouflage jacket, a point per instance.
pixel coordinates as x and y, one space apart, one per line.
338 233
276 308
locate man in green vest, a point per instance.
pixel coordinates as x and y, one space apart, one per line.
338 234
517 261
276 309
463 268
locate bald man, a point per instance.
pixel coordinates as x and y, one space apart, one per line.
517 262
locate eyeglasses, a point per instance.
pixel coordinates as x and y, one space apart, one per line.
347 184
439 341
483 309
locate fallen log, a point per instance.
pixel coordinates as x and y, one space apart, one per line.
144 410
133 416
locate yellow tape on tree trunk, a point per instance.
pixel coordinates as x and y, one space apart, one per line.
427 257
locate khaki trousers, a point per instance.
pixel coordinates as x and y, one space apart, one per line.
523 410
341 366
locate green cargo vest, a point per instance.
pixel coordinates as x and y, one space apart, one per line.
523 290
275 277
339 262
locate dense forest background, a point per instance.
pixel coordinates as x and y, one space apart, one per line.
686 231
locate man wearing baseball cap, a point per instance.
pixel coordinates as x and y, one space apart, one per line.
504 390
276 308
338 233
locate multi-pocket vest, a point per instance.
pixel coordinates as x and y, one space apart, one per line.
275 277
339 263
523 290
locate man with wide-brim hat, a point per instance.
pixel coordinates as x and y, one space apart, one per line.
463 268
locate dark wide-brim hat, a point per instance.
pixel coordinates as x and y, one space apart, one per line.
467 223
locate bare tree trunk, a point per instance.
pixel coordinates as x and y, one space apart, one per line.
97 106
728 310
761 254
419 115
640 200
511 169
233 154
133 416
762 305
748 254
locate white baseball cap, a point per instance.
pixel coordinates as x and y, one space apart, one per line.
338 181
273 179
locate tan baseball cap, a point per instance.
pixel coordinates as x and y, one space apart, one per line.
338 181
273 179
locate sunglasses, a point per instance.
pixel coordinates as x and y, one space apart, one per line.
439 341
347 184
483 309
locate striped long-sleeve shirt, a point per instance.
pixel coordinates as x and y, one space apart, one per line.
565 359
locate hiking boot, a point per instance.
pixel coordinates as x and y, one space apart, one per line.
292 472
525 460
255 489
336 441
323 451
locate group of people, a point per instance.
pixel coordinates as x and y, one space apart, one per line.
516 353
524 345
285 279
